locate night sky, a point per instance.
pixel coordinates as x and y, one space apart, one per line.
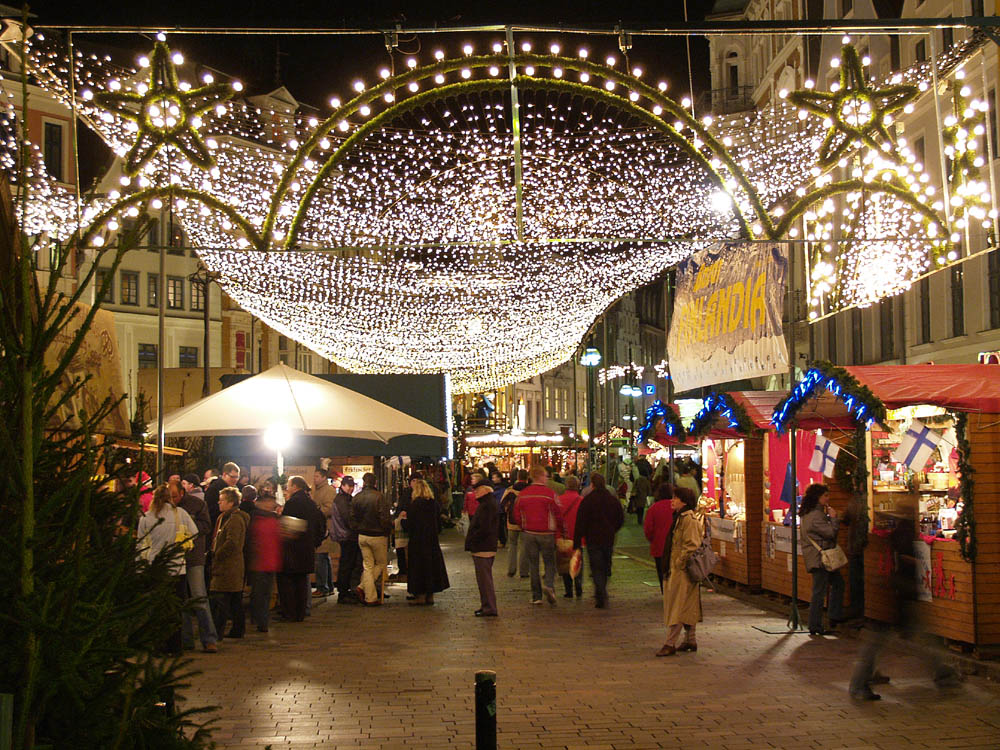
314 68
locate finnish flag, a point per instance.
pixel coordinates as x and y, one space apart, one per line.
824 456
919 442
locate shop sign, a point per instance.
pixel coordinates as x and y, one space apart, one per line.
726 322
723 529
782 536
922 552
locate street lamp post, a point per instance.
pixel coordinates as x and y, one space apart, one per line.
590 359
203 277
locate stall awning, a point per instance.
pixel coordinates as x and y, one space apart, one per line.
974 388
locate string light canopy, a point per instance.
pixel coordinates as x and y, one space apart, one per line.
396 234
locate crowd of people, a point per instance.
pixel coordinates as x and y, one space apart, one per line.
224 536
228 536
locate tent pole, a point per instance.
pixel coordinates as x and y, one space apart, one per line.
279 492
793 615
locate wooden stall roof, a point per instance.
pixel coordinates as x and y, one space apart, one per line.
823 412
660 433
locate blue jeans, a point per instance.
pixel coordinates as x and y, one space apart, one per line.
600 572
823 579
197 592
544 545
323 572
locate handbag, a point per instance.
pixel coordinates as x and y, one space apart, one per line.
576 563
831 559
703 560
182 536
564 552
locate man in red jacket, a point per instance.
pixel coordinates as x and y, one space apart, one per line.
540 519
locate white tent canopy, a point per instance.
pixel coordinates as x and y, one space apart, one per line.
282 397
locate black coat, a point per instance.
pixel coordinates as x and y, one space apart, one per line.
198 511
212 498
598 519
484 527
425 570
298 553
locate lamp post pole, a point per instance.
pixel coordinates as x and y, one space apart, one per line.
203 277
590 359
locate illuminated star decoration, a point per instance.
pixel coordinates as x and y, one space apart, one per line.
856 111
166 114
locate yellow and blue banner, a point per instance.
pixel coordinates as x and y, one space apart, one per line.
727 315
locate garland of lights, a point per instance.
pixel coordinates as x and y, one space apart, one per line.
414 210
863 406
966 524
659 412
164 112
856 112
721 404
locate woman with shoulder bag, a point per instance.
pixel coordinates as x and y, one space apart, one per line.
682 596
818 532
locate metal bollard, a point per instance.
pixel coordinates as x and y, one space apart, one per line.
486 710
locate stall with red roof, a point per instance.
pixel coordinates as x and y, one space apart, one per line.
731 444
908 438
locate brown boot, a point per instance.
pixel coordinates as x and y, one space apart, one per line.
666 650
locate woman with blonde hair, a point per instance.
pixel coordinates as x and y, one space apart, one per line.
426 572
166 529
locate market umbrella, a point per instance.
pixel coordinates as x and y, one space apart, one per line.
281 402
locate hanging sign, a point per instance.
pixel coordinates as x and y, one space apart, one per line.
727 315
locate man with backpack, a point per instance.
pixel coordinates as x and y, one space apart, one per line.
507 501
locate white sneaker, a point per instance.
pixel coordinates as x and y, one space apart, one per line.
536 601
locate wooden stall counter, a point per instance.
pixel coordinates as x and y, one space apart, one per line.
729 540
944 589
776 562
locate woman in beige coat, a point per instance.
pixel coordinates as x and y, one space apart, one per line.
681 597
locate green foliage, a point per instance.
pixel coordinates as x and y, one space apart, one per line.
721 405
824 375
84 617
966 524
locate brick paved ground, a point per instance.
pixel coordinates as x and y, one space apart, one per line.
569 677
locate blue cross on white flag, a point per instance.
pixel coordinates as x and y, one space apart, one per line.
824 456
918 444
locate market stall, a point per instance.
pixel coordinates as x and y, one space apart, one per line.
916 439
731 448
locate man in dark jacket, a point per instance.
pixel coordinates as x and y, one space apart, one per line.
481 541
371 518
193 502
597 521
350 553
302 531
230 476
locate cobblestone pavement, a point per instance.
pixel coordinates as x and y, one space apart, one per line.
569 676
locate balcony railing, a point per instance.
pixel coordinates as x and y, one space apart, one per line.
726 101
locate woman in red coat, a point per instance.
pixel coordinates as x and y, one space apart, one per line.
569 503
657 526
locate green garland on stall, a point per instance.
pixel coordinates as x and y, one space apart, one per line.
701 425
966 524
821 374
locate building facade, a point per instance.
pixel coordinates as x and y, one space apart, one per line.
949 316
